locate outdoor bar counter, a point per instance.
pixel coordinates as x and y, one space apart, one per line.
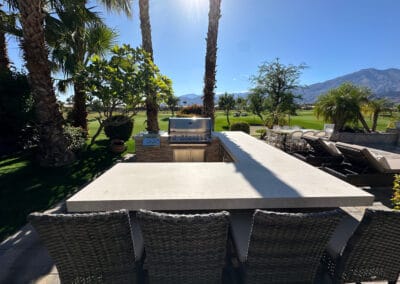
261 176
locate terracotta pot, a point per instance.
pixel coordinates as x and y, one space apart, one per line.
117 146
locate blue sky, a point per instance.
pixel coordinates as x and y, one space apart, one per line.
333 37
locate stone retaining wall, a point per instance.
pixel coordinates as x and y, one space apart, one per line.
368 139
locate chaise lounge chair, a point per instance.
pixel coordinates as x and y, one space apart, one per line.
365 167
322 152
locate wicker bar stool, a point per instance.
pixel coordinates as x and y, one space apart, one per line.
184 248
89 248
285 247
371 253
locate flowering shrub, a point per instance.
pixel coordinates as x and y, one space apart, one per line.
396 192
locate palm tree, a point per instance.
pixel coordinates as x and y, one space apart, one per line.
375 106
4 60
53 148
151 96
75 34
211 58
7 25
343 105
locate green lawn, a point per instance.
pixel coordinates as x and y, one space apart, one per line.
25 187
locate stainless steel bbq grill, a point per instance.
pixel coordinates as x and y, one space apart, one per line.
189 130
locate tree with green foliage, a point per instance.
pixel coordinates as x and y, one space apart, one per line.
172 102
274 88
376 106
342 105
241 104
119 82
16 111
257 105
75 33
227 103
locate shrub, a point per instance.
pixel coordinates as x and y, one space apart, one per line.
118 127
16 110
396 192
241 126
76 138
262 132
190 110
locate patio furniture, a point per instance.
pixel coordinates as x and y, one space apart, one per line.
329 128
89 248
364 167
321 152
184 248
283 247
294 141
371 252
320 133
271 137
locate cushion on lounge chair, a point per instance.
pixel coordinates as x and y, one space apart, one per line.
331 147
389 164
392 163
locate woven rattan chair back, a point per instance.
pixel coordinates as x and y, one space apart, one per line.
89 248
184 248
371 254
287 247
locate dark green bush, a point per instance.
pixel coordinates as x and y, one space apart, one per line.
16 111
118 127
241 126
76 138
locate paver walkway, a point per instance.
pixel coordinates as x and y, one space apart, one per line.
23 258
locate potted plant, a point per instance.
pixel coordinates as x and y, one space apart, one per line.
119 129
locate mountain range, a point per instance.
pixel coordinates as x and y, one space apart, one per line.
383 83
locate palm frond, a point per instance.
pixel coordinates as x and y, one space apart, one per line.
123 6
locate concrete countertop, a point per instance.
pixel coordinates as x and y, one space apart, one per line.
261 177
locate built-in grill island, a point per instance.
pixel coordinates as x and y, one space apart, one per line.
187 140
189 130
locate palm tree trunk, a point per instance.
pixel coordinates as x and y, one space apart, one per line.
375 116
53 147
363 122
4 60
211 59
151 96
79 112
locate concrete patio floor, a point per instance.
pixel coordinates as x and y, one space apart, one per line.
23 258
